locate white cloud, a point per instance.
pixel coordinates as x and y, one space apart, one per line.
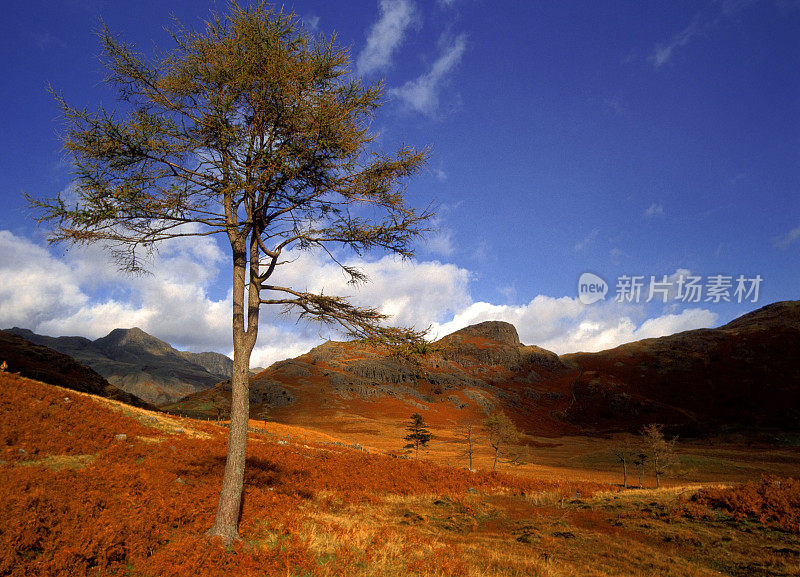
312 22
564 325
720 14
386 35
663 52
422 94
82 294
441 242
416 293
789 238
482 253
588 241
509 292
617 252
669 324
34 284
654 209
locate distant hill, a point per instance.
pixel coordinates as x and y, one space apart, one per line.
461 377
44 364
744 374
141 364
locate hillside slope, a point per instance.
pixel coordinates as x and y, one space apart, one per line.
91 488
461 378
744 374
141 364
45 364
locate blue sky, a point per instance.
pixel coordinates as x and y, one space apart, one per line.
619 138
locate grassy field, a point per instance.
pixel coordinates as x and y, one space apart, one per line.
93 487
584 458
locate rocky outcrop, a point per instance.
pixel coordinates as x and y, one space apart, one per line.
498 332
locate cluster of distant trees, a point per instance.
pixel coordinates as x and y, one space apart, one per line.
498 431
650 451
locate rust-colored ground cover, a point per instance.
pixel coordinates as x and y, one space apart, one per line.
80 499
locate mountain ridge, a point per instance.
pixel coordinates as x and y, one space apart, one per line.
140 363
42 363
742 374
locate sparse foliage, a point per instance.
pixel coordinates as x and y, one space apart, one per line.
467 434
503 437
418 434
660 450
415 348
625 453
252 129
640 461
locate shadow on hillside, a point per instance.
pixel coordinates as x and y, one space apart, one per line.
259 473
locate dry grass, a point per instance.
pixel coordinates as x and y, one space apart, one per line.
77 502
58 462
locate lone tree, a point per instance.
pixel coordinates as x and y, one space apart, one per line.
418 435
625 453
254 130
467 434
640 461
503 437
661 451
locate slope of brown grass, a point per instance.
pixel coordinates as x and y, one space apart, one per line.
78 500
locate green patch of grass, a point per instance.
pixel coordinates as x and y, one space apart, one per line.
58 462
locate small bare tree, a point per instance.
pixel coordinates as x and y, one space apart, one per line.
503 437
467 434
640 460
661 451
625 453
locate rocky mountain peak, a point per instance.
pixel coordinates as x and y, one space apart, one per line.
141 364
134 338
498 331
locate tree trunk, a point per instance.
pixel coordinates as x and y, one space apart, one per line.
226 523
657 471
624 474
494 465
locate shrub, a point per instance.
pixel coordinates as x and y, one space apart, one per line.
773 501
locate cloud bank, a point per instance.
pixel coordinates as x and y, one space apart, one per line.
81 293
